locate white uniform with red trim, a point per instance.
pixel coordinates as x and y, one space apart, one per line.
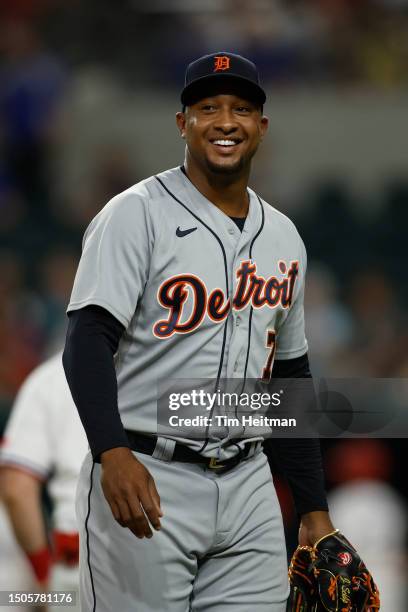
44 437
15 570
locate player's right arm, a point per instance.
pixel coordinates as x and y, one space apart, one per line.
110 278
92 340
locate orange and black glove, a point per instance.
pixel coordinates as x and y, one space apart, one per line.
331 577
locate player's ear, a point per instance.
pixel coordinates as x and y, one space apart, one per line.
181 123
264 125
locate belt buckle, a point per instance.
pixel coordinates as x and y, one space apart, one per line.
214 465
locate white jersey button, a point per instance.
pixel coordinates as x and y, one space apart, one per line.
231 231
238 321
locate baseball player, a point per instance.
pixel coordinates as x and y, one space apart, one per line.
15 574
44 442
189 274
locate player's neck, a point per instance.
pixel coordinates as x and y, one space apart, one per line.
228 193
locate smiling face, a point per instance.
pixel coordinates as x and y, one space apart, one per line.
222 134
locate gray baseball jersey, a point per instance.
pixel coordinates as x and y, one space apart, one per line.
198 298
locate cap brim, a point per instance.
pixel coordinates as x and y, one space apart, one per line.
215 84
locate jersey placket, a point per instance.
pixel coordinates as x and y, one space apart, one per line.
239 338
238 331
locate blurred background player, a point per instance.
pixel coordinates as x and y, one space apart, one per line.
373 513
16 574
44 443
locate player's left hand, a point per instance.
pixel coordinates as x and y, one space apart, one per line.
331 576
313 527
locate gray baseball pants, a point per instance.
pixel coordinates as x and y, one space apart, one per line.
221 547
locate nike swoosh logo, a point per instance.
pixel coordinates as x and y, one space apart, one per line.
180 233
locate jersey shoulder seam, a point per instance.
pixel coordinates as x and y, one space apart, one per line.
95 301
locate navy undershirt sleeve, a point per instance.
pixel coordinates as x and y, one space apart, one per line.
92 340
299 459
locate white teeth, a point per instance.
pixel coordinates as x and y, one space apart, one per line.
225 143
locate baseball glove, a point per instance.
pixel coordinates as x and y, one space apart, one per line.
331 576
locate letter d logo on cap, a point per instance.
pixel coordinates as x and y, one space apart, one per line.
221 62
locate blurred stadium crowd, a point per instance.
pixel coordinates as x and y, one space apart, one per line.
357 295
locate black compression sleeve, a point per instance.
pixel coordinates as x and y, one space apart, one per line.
292 368
92 340
299 459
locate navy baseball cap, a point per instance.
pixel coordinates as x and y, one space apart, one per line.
222 72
